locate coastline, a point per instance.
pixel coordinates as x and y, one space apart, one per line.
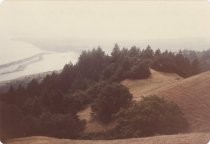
24 80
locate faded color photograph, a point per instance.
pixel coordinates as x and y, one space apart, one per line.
105 72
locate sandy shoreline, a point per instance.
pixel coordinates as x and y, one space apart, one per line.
20 65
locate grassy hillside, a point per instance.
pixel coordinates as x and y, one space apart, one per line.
51 107
191 94
143 87
194 138
155 83
193 97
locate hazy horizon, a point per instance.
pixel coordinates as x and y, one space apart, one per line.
62 29
104 71
112 20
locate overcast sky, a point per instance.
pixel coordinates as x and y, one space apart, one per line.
120 20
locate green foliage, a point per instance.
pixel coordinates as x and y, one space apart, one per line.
175 63
15 124
152 115
139 71
200 60
109 101
94 79
10 119
91 63
148 53
75 102
93 91
67 76
59 125
128 64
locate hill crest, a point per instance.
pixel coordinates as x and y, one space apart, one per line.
191 94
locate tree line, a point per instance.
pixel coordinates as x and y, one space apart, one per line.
50 107
203 58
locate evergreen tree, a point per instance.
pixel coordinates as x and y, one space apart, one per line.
109 101
115 52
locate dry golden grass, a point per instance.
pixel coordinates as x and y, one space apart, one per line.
193 138
193 97
155 83
191 94
85 114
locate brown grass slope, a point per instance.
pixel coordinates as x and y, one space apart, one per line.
191 94
138 88
194 138
155 83
193 97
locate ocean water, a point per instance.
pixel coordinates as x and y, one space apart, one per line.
19 59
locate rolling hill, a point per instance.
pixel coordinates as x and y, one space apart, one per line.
155 83
193 97
191 94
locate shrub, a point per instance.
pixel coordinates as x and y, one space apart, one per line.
75 102
59 125
93 91
153 115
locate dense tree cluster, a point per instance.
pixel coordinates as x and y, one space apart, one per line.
176 63
153 115
200 59
50 107
110 100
